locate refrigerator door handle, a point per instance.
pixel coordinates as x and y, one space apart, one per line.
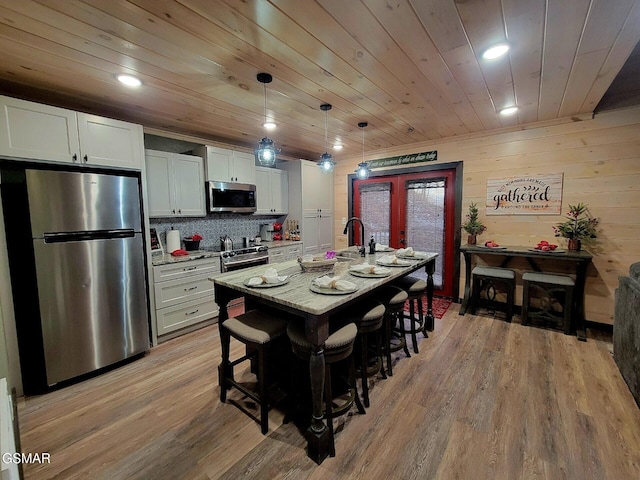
92 235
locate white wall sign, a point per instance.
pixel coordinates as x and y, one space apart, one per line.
525 195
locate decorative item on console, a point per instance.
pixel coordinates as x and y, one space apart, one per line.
580 225
473 226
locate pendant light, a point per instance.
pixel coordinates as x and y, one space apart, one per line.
326 163
266 151
363 170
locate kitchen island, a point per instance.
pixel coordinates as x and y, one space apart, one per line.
316 310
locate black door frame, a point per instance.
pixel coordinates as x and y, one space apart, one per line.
457 236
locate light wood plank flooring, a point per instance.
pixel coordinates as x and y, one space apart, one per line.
482 400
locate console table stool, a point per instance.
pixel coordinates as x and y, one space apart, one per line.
485 279
551 286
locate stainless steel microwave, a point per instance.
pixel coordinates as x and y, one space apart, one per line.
230 197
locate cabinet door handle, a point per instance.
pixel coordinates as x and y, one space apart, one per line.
188 269
179 210
75 157
86 158
173 211
191 313
190 288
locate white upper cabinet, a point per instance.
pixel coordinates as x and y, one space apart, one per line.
272 191
223 165
41 132
311 201
175 185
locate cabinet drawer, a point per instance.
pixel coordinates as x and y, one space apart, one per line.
188 268
276 255
185 314
294 251
181 290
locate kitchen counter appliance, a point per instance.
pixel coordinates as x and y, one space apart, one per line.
77 263
244 258
224 197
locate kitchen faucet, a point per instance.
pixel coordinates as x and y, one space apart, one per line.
362 248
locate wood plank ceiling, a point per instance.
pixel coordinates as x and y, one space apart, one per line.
411 68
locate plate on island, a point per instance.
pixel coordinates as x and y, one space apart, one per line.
415 256
401 263
546 251
491 248
388 249
369 275
266 285
330 291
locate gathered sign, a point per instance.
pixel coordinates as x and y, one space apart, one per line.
404 159
525 195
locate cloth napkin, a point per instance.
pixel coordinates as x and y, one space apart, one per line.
388 259
408 252
366 268
334 282
380 247
270 276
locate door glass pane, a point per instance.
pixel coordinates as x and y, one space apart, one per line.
425 222
375 211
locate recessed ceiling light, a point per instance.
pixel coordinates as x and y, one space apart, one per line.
129 80
337 147
508 111
495 51
269 125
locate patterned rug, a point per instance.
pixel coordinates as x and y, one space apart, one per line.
439 305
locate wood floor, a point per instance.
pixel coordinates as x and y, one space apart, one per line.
482 400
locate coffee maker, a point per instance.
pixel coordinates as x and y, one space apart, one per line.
266 232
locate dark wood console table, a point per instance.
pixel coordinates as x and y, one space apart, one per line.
581 260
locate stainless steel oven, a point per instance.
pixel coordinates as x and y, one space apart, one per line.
244 257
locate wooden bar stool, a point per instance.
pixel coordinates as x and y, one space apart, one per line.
337 347
556 290
257 330
485 279
369 325
393 299
416 289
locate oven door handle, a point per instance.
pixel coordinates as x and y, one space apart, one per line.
255 260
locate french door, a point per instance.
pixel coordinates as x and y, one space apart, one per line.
412 210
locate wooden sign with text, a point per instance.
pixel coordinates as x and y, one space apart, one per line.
525 195
404 159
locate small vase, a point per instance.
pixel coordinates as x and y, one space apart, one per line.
574 244
471 240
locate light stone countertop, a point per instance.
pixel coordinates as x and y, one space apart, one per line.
296 293
167 258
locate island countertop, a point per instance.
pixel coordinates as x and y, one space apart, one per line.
296 293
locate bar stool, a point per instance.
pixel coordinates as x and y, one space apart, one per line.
553 287
369 324
416 289
485 279
337 347
257 330
393 299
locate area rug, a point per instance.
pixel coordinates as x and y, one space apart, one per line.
439 306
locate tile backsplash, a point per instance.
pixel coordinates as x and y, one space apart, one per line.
212 227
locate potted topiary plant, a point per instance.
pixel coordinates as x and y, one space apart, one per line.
578 226
473 226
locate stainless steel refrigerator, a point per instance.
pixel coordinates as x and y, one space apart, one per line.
88 280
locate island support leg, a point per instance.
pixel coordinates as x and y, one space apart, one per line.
318 435
429 320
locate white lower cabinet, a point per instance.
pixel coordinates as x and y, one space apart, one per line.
285 252
184 294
